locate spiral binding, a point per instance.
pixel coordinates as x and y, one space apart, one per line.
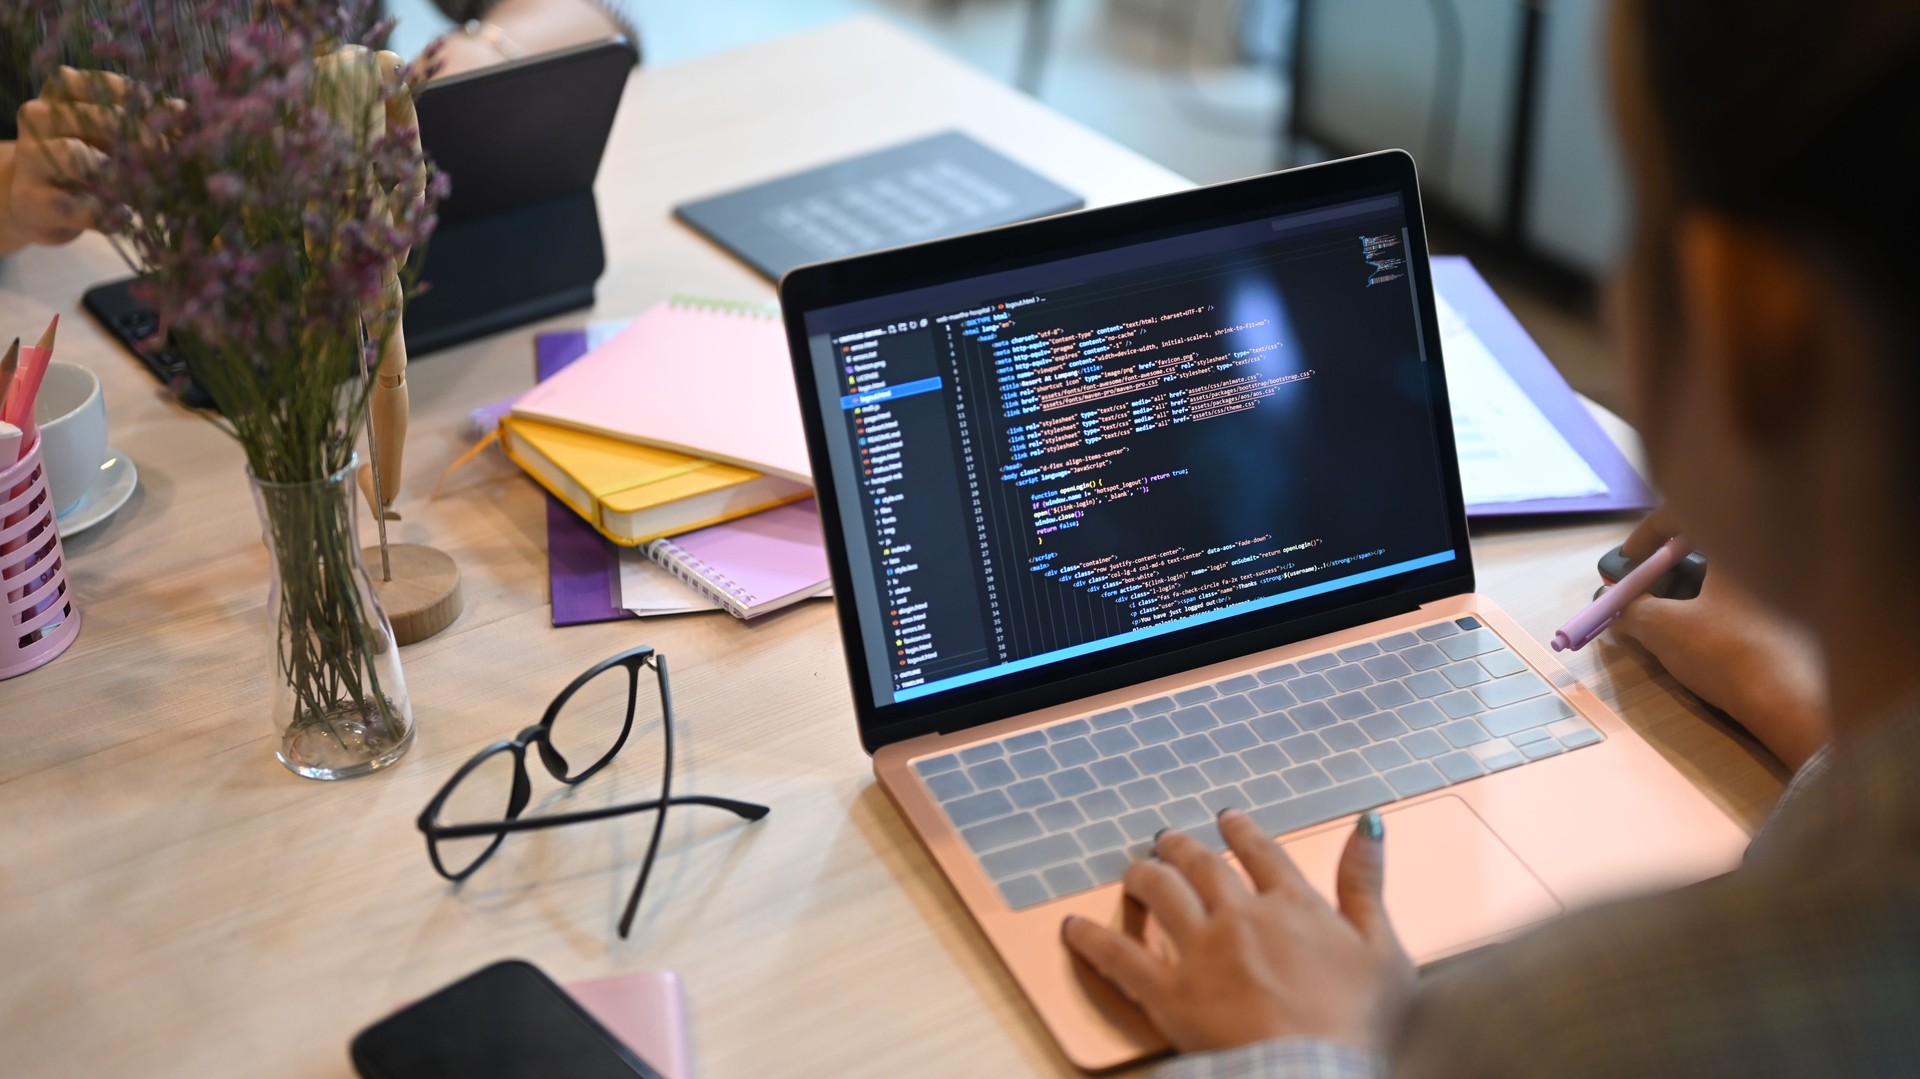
701 577
748 308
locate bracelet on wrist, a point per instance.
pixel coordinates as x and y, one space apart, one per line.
493 36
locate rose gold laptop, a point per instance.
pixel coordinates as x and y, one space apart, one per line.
1142 512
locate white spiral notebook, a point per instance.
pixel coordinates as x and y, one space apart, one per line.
754 564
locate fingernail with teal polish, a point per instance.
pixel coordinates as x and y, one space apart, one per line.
1371 827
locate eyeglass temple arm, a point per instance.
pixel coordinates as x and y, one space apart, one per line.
659 664
748 810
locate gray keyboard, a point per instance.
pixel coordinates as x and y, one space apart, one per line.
1060 809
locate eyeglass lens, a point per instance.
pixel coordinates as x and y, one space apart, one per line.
484 795
588 728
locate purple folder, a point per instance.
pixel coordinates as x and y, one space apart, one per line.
582 566
1455 278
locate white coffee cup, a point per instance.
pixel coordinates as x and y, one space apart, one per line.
71 412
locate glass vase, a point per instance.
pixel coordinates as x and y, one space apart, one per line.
340 703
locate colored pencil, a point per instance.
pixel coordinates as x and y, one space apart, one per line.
7 368
26 388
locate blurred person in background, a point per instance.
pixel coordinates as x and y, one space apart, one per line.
1769 328
489 31
37 145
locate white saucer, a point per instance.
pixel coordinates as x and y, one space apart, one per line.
109 492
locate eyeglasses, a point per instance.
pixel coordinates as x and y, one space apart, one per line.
590 720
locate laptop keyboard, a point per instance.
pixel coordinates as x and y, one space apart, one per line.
1065 808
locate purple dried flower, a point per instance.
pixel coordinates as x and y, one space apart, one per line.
226 187
265 222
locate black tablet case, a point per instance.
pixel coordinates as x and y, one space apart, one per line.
519 235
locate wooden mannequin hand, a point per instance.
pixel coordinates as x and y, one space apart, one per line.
360 81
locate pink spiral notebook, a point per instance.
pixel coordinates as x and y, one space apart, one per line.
696 377
754 564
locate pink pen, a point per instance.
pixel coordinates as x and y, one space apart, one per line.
1582 628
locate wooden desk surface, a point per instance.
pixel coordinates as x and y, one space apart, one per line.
173 902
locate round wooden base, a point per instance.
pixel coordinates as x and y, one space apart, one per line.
424 596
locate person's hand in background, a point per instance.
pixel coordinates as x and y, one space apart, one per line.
1732 653
510 29
1251 964
63 133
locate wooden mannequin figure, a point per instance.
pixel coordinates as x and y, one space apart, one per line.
418 586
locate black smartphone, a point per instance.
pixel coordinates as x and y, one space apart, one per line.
506 1021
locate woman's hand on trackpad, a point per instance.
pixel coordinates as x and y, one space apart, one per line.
1251 964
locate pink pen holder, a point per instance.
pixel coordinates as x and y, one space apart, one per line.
37 617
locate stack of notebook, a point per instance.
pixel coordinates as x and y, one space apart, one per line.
646 435
683 418
634 493
680 438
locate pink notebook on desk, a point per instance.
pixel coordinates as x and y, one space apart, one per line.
752 565
706 379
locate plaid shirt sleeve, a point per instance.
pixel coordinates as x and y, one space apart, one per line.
1283 1058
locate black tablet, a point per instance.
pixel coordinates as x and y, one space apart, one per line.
519 235
521 133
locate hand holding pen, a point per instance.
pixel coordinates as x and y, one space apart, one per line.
1582 628
1729 650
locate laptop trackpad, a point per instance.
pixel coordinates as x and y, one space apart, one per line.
1451 882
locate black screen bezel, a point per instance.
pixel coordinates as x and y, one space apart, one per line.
830 284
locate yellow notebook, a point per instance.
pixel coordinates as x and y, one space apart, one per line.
633 493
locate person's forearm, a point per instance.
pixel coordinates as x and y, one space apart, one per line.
1743 659
530 27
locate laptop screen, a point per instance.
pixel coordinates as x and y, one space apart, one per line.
1055 461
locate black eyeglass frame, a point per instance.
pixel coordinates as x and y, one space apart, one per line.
540 735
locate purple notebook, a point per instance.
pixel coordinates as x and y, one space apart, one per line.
582 567
1456 279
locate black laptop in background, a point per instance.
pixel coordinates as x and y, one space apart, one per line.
519 235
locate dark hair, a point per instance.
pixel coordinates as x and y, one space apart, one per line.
1797 115
1801 117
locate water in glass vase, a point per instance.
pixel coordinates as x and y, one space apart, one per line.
340 701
